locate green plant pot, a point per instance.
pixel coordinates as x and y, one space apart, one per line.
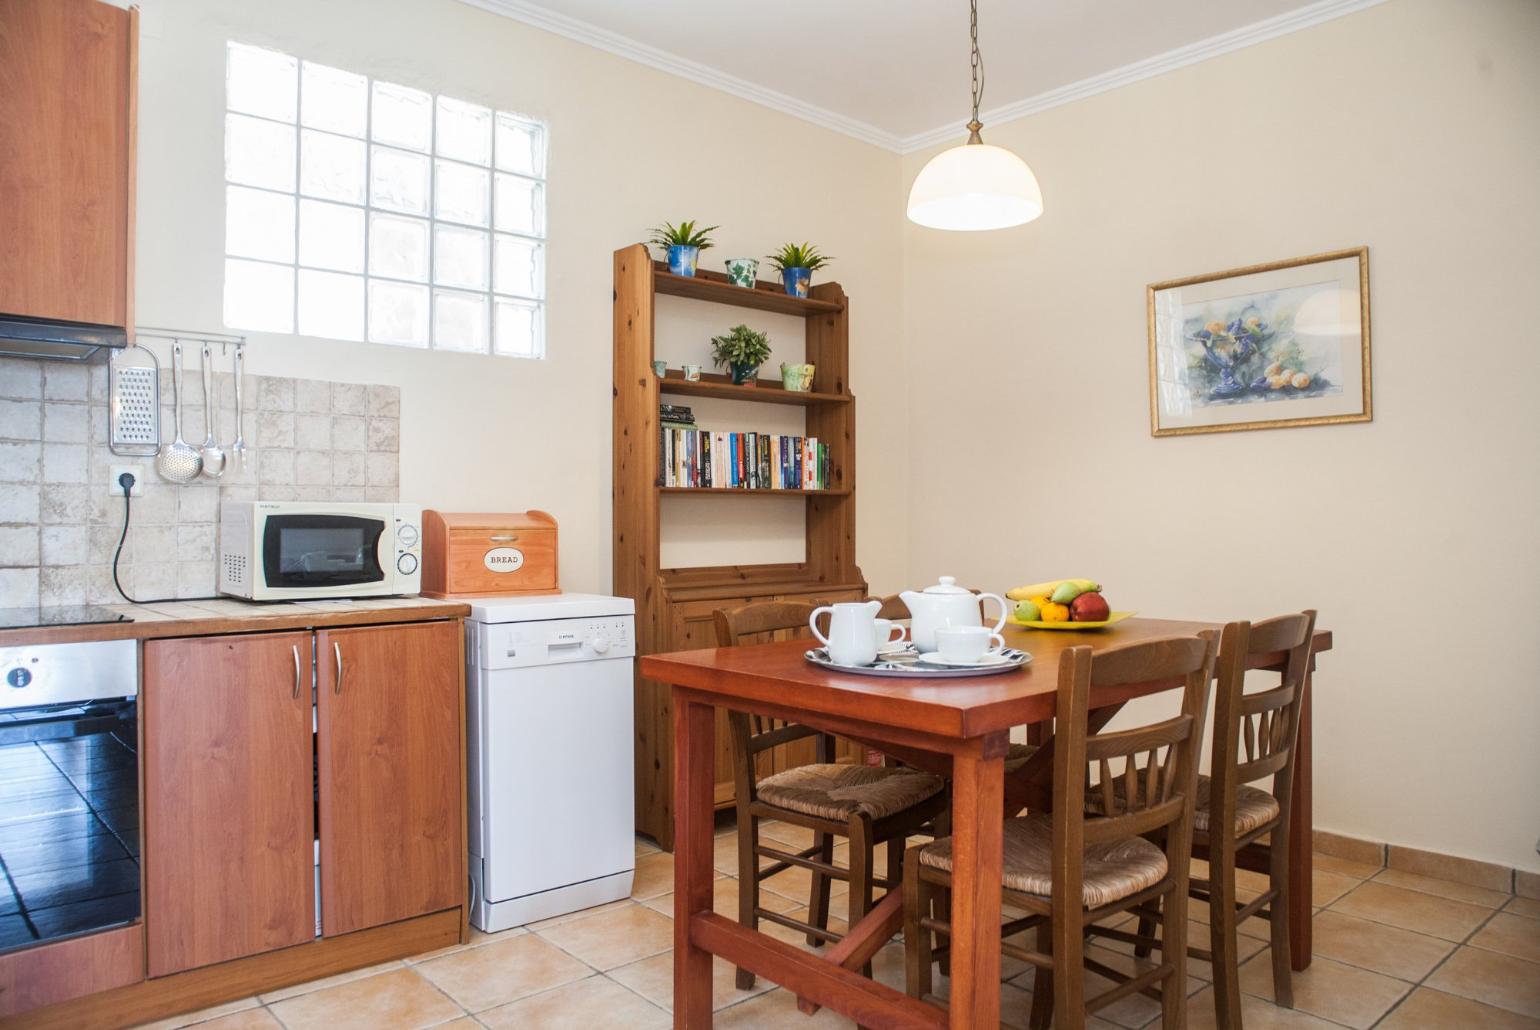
744 374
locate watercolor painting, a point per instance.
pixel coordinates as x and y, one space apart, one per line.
1280 344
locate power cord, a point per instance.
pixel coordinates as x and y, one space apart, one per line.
126 481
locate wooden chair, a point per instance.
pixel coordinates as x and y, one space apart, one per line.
1266 726
866 804
1066 870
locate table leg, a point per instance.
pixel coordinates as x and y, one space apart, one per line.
694 732
1301 840
977 796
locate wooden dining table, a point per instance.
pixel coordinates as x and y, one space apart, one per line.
958 728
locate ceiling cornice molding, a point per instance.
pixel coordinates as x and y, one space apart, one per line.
673 64
1160 64
623 46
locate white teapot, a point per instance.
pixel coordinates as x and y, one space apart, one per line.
946 604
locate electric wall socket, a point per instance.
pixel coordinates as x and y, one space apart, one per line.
137 471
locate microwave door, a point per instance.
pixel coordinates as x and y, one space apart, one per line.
309 551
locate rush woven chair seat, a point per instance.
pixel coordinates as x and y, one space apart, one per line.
841 791
1017 755
1066 870
869 805
1253 807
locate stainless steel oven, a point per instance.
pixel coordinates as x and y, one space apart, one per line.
69 790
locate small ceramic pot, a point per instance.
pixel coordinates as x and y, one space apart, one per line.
797 378
681 260
660 368
744 374
692 373
743 272
797 280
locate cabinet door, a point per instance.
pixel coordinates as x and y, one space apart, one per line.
229 832
392 773
67 71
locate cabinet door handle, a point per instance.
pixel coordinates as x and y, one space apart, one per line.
337 650
504 538
296 672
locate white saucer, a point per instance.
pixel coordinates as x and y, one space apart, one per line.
990 658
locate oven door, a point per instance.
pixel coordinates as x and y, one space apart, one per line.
316 551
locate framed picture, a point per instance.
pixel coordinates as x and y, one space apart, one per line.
1264 347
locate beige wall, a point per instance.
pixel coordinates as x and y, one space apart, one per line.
629 148
1411 127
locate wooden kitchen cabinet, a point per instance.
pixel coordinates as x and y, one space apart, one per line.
390 702
228 785
68 71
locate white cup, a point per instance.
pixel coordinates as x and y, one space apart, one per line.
966 643
883 633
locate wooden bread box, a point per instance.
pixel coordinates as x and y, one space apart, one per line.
466 554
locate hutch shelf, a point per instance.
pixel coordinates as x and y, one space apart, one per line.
674 606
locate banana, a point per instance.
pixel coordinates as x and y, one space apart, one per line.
1046 589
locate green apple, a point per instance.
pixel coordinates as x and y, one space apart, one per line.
1026 611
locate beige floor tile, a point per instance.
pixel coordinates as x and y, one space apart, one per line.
1375 946
724 900
796 882
399 999
1511 935
1485 976
645 846
1523 907
776 1010
724 854
247 1019
1329 886
1345 866
654 875
1255 1013
1329 989
799 837
201 1015
1198 937
495 974
1256 927
1134 1011
653 979
477 939
1428 1009
1412 910
1443 888
615 937
463 1023
837 924
330 981
595 1002
581 913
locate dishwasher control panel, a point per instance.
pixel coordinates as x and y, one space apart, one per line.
517 644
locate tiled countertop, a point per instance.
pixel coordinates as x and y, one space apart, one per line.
227 615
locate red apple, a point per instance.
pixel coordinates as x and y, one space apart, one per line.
1089 607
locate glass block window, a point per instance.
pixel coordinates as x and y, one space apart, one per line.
357 209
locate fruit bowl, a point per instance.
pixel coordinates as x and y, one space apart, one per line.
1112 618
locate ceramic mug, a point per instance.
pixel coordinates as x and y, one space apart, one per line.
966 643
692 373
743 271
660 368
882 634
852 638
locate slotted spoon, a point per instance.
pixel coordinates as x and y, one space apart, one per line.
179 460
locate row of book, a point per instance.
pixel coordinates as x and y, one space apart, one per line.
742 461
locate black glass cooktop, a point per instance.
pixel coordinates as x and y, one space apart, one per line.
70 615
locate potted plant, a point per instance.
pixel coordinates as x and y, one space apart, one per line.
683 244
797 263
742 350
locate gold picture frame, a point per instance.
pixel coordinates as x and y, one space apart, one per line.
1223 347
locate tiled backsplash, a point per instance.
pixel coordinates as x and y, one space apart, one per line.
59 524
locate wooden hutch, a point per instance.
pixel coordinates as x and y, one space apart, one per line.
674 606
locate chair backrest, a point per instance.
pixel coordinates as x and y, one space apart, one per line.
1255 734
1160 794
759 623
893 607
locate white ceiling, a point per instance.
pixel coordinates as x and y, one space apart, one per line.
895 72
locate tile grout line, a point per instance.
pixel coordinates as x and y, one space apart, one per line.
1464 943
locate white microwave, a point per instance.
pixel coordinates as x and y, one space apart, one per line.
293 550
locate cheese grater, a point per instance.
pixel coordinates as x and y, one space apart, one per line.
133 399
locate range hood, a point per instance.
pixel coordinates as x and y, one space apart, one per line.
58 341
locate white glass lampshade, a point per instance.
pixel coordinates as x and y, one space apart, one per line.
975 186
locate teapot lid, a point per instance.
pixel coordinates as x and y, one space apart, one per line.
948 585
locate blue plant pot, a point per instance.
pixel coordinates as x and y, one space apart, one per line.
796 280
744 373
681 260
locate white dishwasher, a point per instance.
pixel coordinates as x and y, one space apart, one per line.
550 780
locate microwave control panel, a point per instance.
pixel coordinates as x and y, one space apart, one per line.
409 547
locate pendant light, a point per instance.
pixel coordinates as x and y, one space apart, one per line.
975 186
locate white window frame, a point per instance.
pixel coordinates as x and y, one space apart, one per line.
530 176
